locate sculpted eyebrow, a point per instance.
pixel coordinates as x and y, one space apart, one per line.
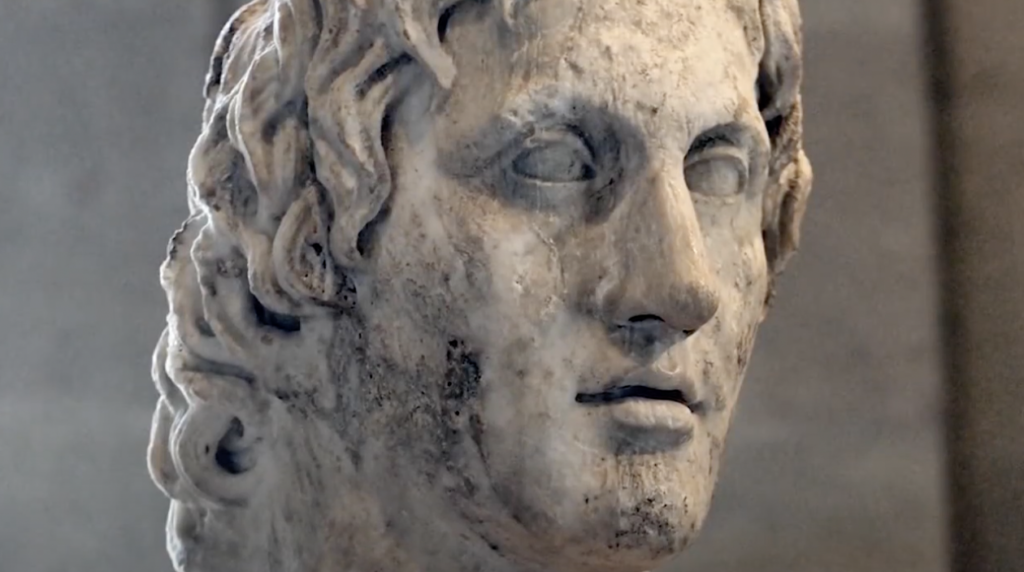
733 133
517 122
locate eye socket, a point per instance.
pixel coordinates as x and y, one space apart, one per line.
720 171
555 158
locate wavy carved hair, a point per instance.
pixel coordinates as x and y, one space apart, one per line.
289 171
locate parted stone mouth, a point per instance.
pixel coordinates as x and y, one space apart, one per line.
624 392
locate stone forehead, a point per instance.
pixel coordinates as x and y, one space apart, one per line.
698 58
682 42
654 18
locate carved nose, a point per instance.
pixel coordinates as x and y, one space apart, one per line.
673 299
665 287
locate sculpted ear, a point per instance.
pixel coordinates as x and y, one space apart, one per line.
790 174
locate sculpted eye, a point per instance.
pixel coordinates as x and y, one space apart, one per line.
555 158
718 171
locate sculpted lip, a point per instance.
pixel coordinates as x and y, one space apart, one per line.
624 392
632 391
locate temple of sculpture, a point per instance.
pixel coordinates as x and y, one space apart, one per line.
472 285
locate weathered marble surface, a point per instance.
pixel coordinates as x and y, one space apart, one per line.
78 183
472 285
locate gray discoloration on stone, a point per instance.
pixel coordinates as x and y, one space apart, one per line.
422 231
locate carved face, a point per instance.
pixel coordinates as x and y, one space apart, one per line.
491 323
562 297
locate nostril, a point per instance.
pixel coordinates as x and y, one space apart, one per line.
645 318
656 323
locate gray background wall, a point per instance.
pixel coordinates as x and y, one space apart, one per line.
835 463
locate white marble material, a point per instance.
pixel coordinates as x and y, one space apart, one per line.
472 285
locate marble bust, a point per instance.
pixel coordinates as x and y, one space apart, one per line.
472 285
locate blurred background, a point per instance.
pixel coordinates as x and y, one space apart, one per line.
844 456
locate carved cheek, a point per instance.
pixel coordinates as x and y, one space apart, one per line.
753 281
526 276
749 277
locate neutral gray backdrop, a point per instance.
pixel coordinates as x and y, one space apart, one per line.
835 462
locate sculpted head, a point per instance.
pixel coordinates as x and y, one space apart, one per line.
472 285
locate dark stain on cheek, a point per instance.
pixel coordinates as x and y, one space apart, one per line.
462 377
459 409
